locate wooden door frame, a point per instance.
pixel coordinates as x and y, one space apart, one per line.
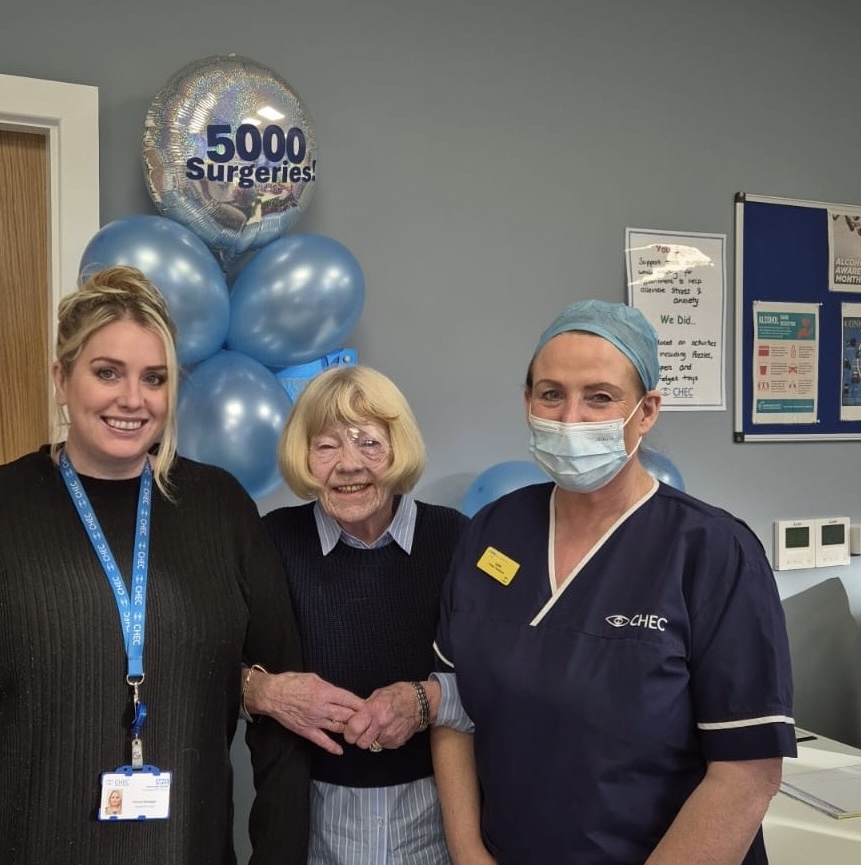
67 115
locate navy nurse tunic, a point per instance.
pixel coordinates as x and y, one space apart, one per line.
597 706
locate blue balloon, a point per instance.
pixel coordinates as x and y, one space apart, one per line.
498 480
661 467
296 300
181 266
231 412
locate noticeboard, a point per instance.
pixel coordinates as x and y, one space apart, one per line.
797 320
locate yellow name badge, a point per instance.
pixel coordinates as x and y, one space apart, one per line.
498 566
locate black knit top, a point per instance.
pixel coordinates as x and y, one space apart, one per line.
367 618
215 597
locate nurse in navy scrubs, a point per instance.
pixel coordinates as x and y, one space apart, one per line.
618 647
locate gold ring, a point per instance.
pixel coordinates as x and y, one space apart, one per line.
375 747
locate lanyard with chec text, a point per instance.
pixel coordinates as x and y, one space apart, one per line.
132 611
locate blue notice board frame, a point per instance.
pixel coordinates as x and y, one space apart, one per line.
781 255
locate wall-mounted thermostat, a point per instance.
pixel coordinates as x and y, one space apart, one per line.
794 544
832 542
855 539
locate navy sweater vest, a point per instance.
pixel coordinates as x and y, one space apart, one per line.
368 618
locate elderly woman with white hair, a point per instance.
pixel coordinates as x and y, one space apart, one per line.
365 563
618 646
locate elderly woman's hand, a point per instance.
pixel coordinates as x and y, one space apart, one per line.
390 716
303 703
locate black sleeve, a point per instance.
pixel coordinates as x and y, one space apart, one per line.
278 825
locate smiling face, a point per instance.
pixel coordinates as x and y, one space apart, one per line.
116 398
346 462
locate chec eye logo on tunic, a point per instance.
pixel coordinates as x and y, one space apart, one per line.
652 621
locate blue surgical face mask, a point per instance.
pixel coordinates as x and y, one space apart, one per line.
580 457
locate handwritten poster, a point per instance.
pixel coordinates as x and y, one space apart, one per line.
785 362
677 280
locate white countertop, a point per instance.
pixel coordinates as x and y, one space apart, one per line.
798 834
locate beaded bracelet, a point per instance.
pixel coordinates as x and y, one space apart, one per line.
245 682
424 706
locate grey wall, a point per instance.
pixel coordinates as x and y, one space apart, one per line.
482 160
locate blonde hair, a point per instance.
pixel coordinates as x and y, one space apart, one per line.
120 293
351 395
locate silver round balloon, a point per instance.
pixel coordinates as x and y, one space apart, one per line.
229 151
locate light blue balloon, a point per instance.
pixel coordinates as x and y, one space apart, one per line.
231 412
181 266
661 467
498 480
296 300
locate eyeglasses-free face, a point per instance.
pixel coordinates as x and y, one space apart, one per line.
116 397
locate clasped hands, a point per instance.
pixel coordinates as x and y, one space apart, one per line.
313 708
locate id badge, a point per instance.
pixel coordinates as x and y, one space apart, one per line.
135 794
498 566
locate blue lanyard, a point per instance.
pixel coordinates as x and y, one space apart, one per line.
132 610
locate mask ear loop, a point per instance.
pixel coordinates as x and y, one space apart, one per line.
627 420
641 400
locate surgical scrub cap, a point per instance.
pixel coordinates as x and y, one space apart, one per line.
620 324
